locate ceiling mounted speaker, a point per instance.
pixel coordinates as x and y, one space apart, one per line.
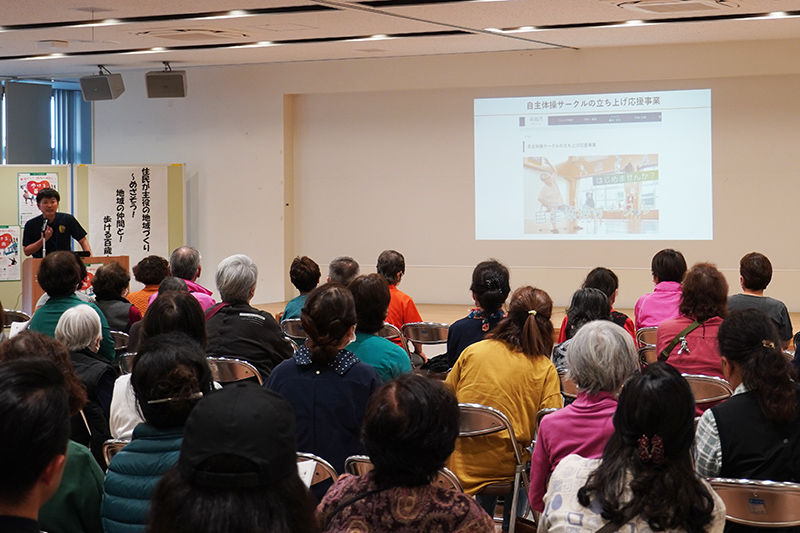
102 87
166 84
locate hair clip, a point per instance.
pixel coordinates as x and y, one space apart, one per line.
651 449
532 312
768 344
195 396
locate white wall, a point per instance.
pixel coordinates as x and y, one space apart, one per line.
381 157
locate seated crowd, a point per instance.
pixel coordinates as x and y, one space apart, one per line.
199 455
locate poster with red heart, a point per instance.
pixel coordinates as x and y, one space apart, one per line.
30 183
9 253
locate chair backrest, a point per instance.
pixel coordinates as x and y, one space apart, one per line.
708 389
360 464
294 329
390 331
569 389
759 503
426 332
125 363
227 369
111 447
291 342
14 315
322 469
479 419
121 339
648 355
646 336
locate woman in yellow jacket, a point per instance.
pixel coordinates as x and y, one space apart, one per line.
511 371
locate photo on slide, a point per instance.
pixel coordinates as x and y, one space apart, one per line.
591 195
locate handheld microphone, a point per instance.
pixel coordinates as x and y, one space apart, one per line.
44 226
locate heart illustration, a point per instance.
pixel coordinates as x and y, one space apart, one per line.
5 240
35 186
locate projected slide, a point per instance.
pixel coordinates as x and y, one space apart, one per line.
619 166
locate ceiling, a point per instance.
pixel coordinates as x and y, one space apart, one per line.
67 38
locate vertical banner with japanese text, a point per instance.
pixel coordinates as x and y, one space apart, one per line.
128 211
9 253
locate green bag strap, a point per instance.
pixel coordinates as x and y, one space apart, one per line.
688 329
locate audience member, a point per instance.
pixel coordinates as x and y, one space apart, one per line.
110 285
490 289
510 371
83 285
668 267
392 266
79 330
608 282
304 274
343 270
235 328
172 311
410 430
371 295
645 480
170 374
326 384
601 357
690 340
33 422
755 273
150 271
755 434
60 276
75 506
586 305
184 263
169 283
237 469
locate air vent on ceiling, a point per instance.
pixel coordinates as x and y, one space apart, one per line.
674 6
193 34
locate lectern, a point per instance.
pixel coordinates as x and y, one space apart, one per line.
32 291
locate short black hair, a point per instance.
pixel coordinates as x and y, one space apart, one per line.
371 294
175 311
47 192
586 305
109 281
343 270
756 271
59 274
34 423
151 270
603 279
173 366
668 265
304 273
391 264
410 430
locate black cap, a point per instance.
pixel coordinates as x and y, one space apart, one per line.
243 420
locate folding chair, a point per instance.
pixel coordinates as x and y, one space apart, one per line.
646 336
753 503
390 332
425 333
539 416
125 363
322 468
569 389
111 447
648 355
13 315
228 370
477 420
293 329
360 464
121 340
708 389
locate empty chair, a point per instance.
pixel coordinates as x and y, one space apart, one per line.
424 333
227 370
125 363
759 503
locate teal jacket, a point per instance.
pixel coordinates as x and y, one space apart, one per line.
134 473
46 318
